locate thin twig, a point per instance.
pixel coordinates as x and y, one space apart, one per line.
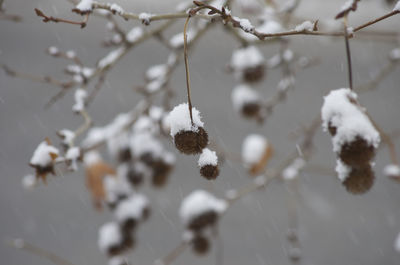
348 54
46 18
185 51
369 23
173 255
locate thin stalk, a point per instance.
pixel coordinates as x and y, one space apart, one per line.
348 54
185 50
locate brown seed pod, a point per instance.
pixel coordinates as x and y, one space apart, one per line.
251 109
128 226
190 142
360 180
161 171
124 155
357 153
209 171
206 219
200 245
254 74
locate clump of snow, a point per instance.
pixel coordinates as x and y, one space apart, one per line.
91 158
144 124
80 98
29 181
179 119
245 24
145 18
292 171
242 95
199 202
70 54
397 241
116 9
67 136
145 143
397 7
177 40
392 170
52 50
348 119
253 149
109 236
115 188
270 27
134 34
94 136
246 58
72 155
347 5
208 157
395 54
132 208
156 72
44 154
111 57
342 169
85 6
305 26
118 260
260 180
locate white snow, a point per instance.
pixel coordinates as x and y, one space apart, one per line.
305 26
42 154
292 171
342 169
115 187
155 85
245 24
156 72
348 118
134 34
246 58
392 170
143 143
199 202
70 54
397 241
67 136
397 6
116 9
118 260
208 157
270 27
260 180
91 158
111 57
132 208
253 149
179 119
169 158
145 18
109 235
52 50
94 136
395 54
177 40
80 98
72 155
29 181
347 5
145 124
85 6
242 95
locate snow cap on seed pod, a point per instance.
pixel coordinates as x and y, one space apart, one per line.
248 64
137 173
118 147
208 163
116 189
256 151
110 239
189 138
131 211
246 101
72 156
146 147
43 159
118 260
201 209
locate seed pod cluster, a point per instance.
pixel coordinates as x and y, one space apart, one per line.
191 138
354 139
200 211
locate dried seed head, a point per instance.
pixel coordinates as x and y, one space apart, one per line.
135 177
201 221
253 74
209 171
200 245
360 180
128 226
161 171
124 155
357 153
191 142
251 109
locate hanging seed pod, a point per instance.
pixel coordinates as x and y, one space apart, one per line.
111 241
246 101
248 64
208 163
254 74
256 152
43 159
359 180
201 209
200 244
357 152
137 173
189 138
162 169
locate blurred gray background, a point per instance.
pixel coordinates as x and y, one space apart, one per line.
336 228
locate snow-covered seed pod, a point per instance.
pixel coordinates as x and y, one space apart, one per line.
248 64
116 189
137 173
256 152
357 152
359 180
200 244
162 169
118 260
43 159
131 211
246 101
201 209
112 241
190 138
208 163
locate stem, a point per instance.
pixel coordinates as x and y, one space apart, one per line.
187 67
346 39
173 254
369 23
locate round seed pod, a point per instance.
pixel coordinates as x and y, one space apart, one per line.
357 153
128 226
253 74
359 180
294 255
201 221
210 172
191 142
251 109
200 245
124 155
161 171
